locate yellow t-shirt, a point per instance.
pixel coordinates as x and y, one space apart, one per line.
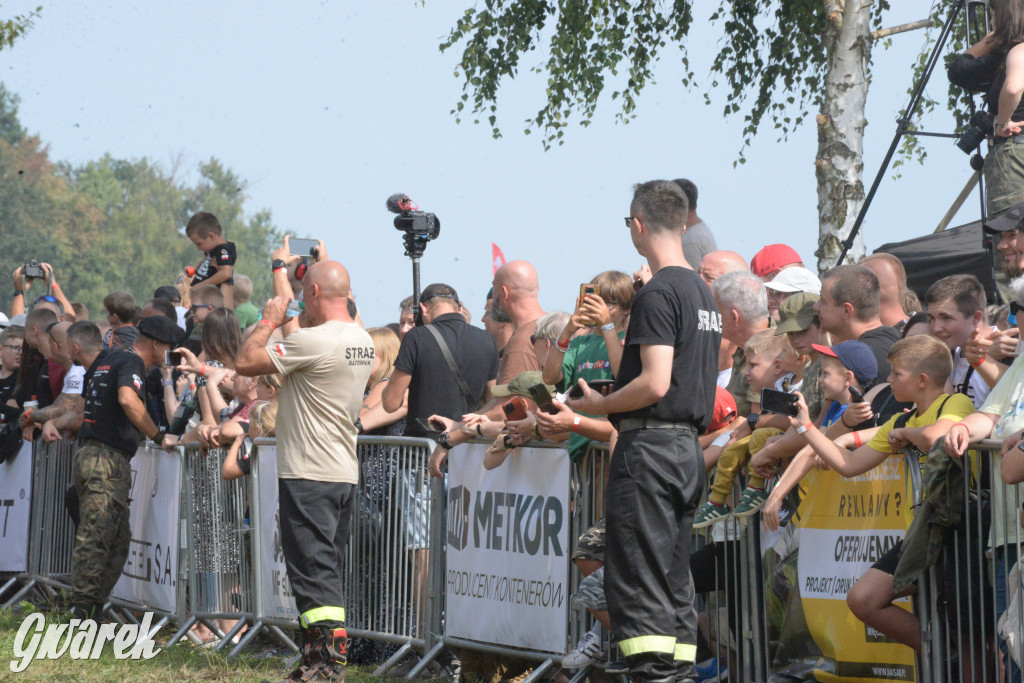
956 408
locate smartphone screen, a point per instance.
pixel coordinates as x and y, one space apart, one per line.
172 358
779 402
302 246
430 427
856 396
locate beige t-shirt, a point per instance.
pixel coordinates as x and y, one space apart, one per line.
325 371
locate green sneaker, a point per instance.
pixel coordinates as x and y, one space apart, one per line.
751 500
708 514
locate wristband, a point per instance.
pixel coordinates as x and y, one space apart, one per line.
857 442
17 293
358 424
961 424
202 370
166 382
842 418
802 429
28 415
978 364
505 442
562 346
607 327
479 429
576 424
54 286
273 326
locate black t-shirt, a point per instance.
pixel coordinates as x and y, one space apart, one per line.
880 340
675 308
155 397
433 389
218 257
7 387
104 418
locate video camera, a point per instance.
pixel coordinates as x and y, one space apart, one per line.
978 128
419 226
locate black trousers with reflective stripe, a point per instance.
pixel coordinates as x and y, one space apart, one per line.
654 487
315 521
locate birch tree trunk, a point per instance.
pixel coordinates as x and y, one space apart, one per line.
839 165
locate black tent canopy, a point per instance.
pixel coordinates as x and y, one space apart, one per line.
965 249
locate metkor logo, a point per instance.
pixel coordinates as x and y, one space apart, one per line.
80 639
504 521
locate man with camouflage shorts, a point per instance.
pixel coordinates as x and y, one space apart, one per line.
113 424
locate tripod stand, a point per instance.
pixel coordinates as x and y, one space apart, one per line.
903 123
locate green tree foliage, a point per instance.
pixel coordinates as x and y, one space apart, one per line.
771 61
114 223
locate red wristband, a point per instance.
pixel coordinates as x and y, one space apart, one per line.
978 364
857 442
562 346
273 326
202 370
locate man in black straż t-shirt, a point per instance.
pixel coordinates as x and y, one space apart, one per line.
113 424
664 398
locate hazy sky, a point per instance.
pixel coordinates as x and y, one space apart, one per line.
327 108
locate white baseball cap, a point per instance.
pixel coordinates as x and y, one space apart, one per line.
795 279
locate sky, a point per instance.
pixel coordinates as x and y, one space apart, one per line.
327 108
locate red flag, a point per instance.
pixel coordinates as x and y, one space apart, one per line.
497 258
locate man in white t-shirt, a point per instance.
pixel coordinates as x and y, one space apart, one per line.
325 366
956 309
70 399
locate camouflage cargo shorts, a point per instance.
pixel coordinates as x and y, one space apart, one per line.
591 593
591 543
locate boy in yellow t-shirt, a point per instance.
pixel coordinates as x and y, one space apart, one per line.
920 367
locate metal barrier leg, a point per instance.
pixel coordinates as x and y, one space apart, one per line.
230 635
581 674
427 659
392 660
21 593
539 671
185 628
283 638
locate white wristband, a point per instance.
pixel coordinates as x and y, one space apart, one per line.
607 327
802 429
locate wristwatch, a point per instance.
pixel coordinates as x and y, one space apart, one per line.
443 439
277 263
752 420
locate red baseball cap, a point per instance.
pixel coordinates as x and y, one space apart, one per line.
773 257
725 409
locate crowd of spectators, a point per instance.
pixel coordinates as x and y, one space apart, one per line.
872 372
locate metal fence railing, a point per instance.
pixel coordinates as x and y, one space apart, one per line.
227 564
51 531
964 597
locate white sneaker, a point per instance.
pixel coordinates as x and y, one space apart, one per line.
587 651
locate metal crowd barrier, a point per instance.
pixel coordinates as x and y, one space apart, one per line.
216 519
52 533
963 599
393 585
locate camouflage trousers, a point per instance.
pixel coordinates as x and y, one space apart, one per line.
102 477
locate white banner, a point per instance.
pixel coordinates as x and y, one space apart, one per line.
278 600
15 508
150 574
508 548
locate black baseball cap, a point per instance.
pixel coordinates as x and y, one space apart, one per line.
439 290
168 292
1008 220
161 329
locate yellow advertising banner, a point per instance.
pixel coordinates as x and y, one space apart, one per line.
843 528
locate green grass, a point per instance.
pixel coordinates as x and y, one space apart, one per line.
181 662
